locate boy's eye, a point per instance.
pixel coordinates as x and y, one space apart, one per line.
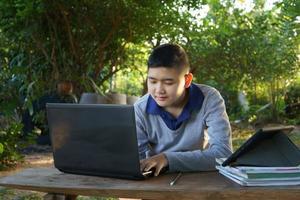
168 83
152 81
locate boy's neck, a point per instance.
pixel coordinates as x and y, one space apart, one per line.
176 109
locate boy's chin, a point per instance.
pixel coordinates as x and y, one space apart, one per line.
163 103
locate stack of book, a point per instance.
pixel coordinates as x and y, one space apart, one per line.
260 176
267 158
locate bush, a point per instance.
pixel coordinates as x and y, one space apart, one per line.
292 102
10 133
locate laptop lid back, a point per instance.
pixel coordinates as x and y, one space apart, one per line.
94 139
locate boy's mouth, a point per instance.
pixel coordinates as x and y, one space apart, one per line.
161 98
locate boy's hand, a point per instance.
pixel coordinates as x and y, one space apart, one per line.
157 162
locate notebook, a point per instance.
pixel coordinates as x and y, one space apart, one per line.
95 139
268 147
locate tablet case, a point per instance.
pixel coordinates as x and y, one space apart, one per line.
269 147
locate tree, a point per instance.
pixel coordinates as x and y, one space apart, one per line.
79 39
235 50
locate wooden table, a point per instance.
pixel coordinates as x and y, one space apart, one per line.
202 185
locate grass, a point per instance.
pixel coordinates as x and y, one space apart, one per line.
239 136
95 198
12 194
295 137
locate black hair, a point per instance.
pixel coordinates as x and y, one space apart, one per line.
169 55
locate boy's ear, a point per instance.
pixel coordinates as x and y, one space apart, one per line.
188 80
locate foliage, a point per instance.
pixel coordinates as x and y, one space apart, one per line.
14 97
241 50
131 80
239 136
292 95
103 45
10 132
75 40
292 102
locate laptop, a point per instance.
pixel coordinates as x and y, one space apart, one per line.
95 139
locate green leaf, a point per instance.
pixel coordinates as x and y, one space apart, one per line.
1 148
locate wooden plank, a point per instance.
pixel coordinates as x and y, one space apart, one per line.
204 185
286 129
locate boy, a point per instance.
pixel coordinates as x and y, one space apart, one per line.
172 117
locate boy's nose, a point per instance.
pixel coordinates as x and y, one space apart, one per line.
160 89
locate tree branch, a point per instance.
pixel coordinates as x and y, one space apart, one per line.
64 14
115 25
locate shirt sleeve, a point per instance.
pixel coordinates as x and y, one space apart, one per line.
142 138
219 139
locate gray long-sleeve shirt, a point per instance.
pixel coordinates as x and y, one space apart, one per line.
183 147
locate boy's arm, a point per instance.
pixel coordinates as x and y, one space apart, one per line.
219 134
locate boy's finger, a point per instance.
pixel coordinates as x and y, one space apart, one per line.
147 164
156 172
142 165
150 166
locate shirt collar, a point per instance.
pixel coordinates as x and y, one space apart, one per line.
195 102
196 98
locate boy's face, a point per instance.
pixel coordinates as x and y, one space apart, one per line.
167 86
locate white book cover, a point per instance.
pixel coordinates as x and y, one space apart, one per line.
257 182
